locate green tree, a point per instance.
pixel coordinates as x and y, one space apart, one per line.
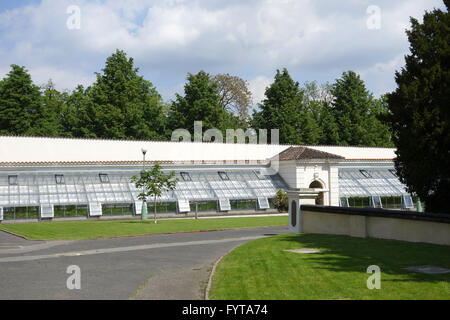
153 183
419 112
356 113
281 201
78 120
283 109
201 102
318 102
122 104
22 111
235 97
56 103
379 133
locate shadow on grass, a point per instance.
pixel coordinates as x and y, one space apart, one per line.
347 254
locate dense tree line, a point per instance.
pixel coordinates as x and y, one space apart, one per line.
121 104
343 113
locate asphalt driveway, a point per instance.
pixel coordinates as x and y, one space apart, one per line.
175 266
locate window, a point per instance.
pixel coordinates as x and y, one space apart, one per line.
365 173
185 176
263 203
376 202
183 206
224 205
59 178
344 202
407 202
259 175
223 176
104 178
12 180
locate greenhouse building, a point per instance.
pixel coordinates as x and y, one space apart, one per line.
51 178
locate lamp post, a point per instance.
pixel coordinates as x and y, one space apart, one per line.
419 205
144 202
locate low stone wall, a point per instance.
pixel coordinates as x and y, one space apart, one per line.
377 223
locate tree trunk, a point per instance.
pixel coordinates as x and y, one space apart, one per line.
155 208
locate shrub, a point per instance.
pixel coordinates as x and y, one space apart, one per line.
281 201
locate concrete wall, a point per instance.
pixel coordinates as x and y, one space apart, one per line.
375 223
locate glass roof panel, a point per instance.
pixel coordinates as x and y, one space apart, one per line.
381 183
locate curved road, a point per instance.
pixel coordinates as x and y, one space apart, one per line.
173 266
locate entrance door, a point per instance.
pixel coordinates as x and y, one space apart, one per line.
320 197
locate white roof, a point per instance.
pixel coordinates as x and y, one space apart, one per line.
36 149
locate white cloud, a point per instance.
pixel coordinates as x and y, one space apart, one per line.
315 40
258 87
383 73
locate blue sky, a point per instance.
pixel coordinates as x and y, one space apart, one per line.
314 40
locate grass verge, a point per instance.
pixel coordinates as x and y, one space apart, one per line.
261 269
77 230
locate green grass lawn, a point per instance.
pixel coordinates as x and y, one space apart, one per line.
76 230
260 269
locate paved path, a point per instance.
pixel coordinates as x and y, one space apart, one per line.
175 266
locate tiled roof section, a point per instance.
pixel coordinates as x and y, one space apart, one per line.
301 153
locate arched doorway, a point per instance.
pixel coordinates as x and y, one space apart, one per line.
320 197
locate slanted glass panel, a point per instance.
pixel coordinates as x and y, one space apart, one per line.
344 202
224 204
376 202
263 203
46 211
407 202
81 188
95 209
4 200
365 173
183 206
379 182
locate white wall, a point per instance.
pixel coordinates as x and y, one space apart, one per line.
288 172
300 175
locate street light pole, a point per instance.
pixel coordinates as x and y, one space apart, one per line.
144 202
